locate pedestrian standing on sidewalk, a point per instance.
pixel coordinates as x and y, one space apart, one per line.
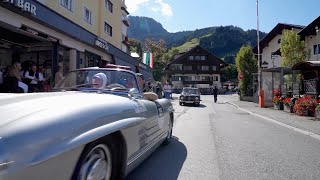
215 93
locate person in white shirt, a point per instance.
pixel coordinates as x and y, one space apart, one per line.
31 76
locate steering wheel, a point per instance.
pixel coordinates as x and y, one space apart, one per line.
116 86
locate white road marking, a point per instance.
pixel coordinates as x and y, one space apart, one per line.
307 133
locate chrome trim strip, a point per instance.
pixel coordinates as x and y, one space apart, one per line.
147 148
5 165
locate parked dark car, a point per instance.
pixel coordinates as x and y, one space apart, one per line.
190 96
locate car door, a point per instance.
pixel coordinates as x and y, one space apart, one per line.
154 124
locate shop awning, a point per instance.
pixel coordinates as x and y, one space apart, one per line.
307 65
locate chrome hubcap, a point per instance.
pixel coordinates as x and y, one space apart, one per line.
97 164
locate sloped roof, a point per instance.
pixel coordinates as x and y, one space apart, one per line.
180 56
310 29
273 33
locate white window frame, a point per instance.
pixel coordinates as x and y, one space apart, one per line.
90 21
107 3
106 25
69 5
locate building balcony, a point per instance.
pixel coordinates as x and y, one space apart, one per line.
125 40
197 82
125 21
193 72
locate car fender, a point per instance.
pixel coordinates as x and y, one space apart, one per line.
84 138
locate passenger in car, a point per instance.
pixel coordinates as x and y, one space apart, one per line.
99 81
151 96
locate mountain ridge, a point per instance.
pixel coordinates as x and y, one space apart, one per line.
219 40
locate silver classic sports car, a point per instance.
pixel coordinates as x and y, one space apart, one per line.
96 125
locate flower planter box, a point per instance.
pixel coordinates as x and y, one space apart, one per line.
287 108
278 106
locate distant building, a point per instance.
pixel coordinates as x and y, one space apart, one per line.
197 67
270 44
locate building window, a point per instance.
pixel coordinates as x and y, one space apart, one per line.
205 68
107 29
215 78
316 49
187 68
87 15
191 58
203 58
176 67
197 58
279 41
67 4
109 5
214 68
175 78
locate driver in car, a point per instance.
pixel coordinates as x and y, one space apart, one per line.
99 81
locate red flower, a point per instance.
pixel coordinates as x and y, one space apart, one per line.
286 101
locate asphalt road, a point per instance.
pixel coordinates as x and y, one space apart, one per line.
218 141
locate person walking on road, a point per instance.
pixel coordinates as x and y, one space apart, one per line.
215 93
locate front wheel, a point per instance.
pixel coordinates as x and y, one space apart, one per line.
97 162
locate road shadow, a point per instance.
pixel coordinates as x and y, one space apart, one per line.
165 163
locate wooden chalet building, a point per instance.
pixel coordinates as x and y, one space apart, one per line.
198 68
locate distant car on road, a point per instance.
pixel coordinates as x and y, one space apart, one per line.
190 96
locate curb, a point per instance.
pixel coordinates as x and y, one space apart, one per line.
301 131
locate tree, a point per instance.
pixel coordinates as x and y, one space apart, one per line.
247 65
230 73
292 49
158 48
135 46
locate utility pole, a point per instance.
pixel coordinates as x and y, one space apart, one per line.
258 45
260 90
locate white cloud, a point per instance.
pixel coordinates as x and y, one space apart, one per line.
133 5
165 8
154 9
157 6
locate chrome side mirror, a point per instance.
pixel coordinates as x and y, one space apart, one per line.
134 93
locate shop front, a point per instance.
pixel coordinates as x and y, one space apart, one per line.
38 35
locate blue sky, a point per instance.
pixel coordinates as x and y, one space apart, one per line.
178 15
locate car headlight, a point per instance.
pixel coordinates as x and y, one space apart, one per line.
181 97
197 98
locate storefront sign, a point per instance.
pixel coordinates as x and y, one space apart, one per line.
23 5
102 43
142 66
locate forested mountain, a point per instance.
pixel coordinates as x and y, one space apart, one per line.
221 41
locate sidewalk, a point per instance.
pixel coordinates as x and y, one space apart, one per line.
304 123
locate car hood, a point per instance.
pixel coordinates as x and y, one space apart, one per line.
23 111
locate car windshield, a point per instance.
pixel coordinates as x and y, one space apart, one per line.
98 79
190 91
